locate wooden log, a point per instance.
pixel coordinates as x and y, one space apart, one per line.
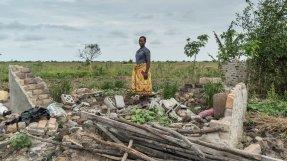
158 154
109 134
165 137
92 150
200 131
226 149
173 149
210 153
120 147
126 154
191 145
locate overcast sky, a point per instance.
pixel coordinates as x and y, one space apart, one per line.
57 29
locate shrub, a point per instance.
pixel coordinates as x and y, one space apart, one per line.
169 90
62 86
270 107
209 90
119 83
21 141
107 85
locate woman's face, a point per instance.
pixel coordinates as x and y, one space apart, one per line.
141 42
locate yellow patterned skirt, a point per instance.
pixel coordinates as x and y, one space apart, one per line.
139 84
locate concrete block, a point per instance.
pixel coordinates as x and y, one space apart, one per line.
39 103
4 95
43 96
31 87
120 103
25 70
12 128
45 91
33 125
47 101
40 86
29 81
21 75
67 99
42 124
29 75
51 132
219 101
230 101
37 91
253 148
38 80
220 123
38 132
52 124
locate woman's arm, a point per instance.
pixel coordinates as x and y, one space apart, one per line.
147 65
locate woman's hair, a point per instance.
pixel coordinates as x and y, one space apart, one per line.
143 38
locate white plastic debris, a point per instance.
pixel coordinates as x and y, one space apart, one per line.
56 110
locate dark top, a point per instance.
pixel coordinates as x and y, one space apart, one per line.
142 55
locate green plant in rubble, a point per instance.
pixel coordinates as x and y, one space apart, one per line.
62 86
21 141
270 107
119 84
142 116
107 85
169 89
209 90
110 92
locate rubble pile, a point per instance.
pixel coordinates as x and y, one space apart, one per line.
89 124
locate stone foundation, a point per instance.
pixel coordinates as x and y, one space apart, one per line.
26 91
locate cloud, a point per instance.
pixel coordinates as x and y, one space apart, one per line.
119 34
4 36
156 42
20 26
30 38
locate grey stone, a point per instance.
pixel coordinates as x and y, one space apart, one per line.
253 148
38 132
88 123
120 103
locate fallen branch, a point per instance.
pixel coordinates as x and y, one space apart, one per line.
120 147
126 154
191 145
200 131
156 133
109 134
226 149
97 151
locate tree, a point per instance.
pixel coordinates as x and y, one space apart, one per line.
89 53
233 45
264 24
192 48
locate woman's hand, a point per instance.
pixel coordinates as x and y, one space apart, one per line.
145 75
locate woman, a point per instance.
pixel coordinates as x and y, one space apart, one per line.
141 76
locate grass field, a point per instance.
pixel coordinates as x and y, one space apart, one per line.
105 73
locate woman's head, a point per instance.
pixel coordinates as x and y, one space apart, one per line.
142 41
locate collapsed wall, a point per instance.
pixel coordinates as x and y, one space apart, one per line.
232 122
26 91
